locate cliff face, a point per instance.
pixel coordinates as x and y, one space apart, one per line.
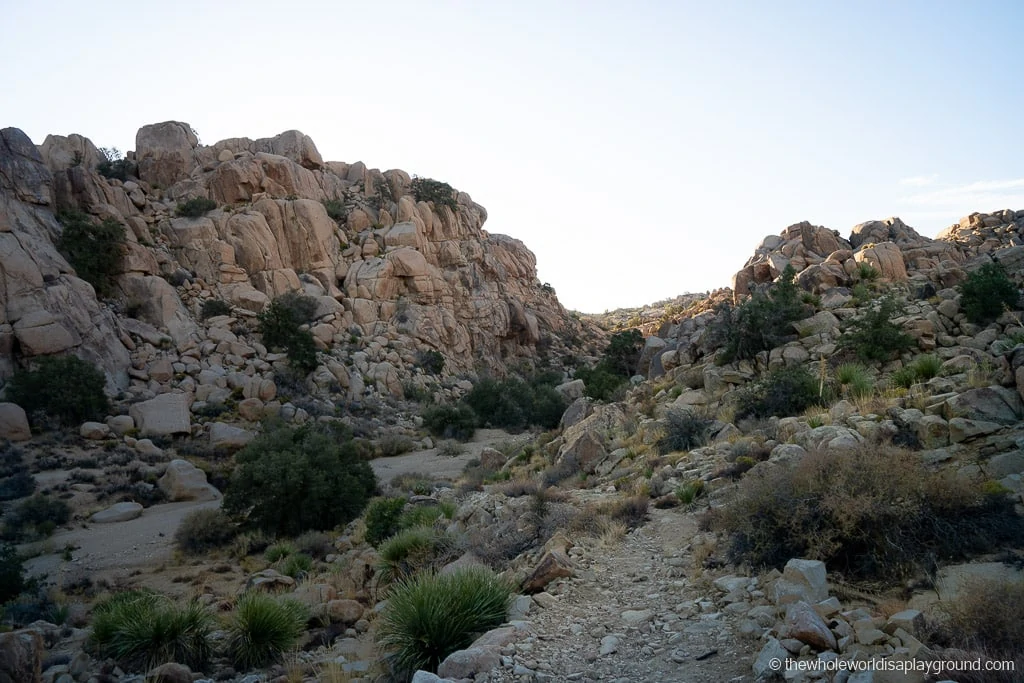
401 275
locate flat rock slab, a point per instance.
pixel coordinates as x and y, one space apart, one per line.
120 512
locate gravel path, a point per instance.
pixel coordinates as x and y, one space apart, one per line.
630 614
438 466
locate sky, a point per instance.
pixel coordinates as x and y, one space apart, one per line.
640 149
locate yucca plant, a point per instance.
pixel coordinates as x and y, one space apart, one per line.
429 616
263 628
412 550
855 379
145 629
927 366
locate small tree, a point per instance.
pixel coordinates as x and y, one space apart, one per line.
280 324
95 251
66 388
986 292
430 190
874 336
292 480
114 166
763 321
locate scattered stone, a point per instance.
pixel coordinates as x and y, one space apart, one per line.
119 512
14 423
184 481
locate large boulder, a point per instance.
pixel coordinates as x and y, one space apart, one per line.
118 512
988 404
14 423
886 258
162 416
184 481
21 657
165 152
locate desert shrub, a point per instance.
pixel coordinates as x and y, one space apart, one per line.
873 336
291 480
297 565
196 207
684 430
905 377
515 404
114 166
278 551
986 617
690 491
12 573
986 292
336 209
425 515
280 323
390 445
866 273
412 550
451 421
631 511
66 388
18 485
214 307
315 543
96 251
854 379
616 366
927 366
204 530
382 519
763 321
145 629
430 190
429 616
782 392
263 628
870 513
35 517
431 361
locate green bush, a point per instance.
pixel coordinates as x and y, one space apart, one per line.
196 207
66 388
115 166
297 565
854 379
451 421
214 307
763 321
871 513
336 209
428 616
204 530
35 517
986 292
927 366
263 628
689 492
413 550
873 336
429 190
425 515
617 365
280 323
514 404
278 551
782 393
382 519
144 629
290 480
95 251
684 431
12 573
431 361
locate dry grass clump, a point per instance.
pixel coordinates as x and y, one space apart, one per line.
986 621
872 513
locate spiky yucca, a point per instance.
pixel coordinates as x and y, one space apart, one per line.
263 628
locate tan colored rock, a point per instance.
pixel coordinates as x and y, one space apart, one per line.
884 257
39 333
345 611
94 431
161 416
804 624
184 481
165 152
14 423
554 564
21 656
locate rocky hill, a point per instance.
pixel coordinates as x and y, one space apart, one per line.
822 466
394 275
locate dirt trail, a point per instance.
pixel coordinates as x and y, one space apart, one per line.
439 466
631 614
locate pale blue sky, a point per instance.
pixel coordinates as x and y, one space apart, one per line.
640 149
